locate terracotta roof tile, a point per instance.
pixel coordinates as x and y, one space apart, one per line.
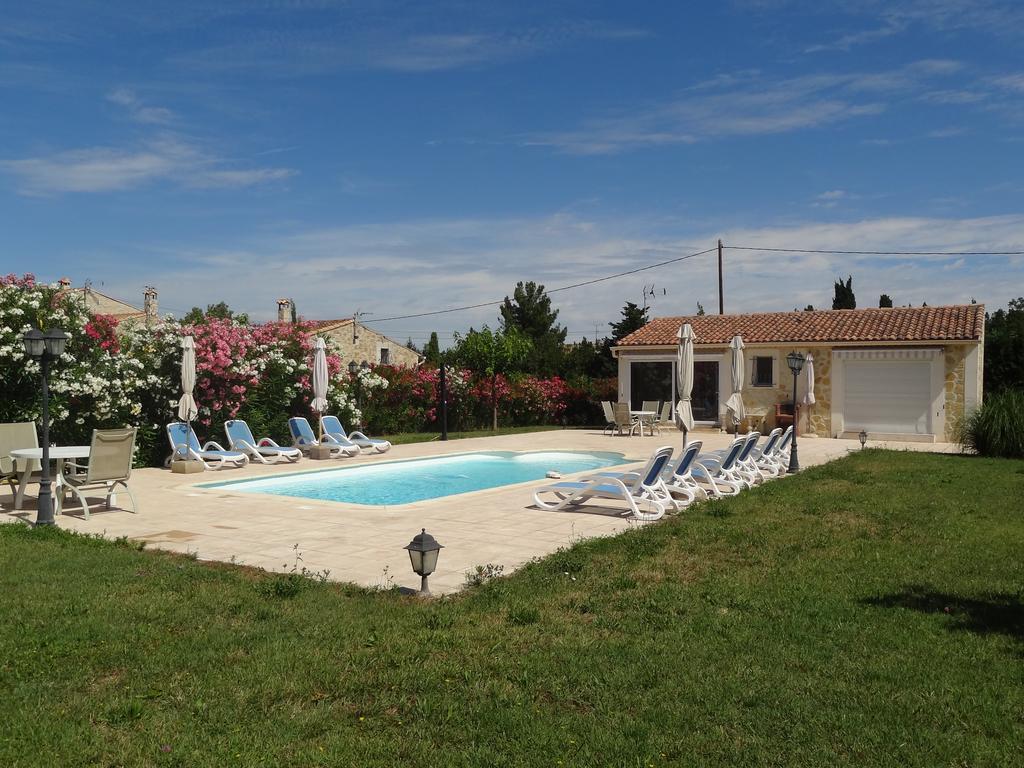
911 324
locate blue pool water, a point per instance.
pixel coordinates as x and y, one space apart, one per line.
402 482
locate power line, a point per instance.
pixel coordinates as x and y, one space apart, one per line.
877 253
553 290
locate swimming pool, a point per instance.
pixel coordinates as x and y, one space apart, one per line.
403 482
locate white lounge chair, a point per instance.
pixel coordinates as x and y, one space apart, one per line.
185 446
333 429
110 465
264 450
676 480
782 451
304 438
644 491
744 470
764 457
716 471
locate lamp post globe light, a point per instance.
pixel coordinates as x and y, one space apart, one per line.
423 551
45 347
795 361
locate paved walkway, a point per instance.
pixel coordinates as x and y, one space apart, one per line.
365 544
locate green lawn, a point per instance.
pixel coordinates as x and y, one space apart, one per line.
426 437
868 612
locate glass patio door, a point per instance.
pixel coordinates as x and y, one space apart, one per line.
705 390
650 381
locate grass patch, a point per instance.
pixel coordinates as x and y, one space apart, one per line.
426 437
868 612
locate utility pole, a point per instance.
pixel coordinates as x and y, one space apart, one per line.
721 291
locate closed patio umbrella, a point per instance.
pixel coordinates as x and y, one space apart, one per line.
187 408
735 402
808 398
684 380
320 378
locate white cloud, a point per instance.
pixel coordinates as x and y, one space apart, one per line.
411 266
139 112
746 104
107 169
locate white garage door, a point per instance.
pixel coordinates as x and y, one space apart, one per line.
888 396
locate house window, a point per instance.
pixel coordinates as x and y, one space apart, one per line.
763 370
385 356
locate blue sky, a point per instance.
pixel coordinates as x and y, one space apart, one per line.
399 157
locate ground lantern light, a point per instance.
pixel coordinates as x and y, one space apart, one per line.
423 551
863 436
796 363
353 368
45 347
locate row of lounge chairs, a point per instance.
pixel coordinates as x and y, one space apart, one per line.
243 447
663 485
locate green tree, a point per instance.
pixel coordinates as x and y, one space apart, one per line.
529 313
844 298
218 311
432 352
1004 347
633 319
885 300
491 353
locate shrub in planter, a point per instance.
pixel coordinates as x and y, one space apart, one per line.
997 427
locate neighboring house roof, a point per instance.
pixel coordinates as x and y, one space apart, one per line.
330 325
910 324
100 304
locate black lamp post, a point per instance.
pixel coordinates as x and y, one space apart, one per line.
796 363
863 437
423 551
45 347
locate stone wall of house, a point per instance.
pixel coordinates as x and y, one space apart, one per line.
955 390
368 345
765 398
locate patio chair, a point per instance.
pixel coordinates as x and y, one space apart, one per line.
651 421
185 446
110 465
644 491
716 471
12 437
623 419
677 478
665 417
335 431
264 450
609 416
764 457
304 438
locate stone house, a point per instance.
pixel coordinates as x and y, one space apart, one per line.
907 373
355 341
98 303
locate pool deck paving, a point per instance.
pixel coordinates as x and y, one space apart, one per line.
364 544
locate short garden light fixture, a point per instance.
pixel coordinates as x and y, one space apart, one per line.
795 361
863 436
364 365
423 551
45 347
353 368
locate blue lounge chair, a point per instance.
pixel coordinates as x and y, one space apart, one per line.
645 490
264 450
304 438
185 445
717 471
677 479
333 429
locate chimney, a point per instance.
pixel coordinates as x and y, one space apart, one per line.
65 282
150 305
284 311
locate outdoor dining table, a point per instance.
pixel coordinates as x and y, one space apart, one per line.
58 454
640 416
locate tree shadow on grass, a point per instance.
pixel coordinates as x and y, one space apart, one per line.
999 613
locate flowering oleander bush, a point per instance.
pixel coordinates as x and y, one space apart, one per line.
115 375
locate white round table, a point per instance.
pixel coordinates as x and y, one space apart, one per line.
58 454
640 416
